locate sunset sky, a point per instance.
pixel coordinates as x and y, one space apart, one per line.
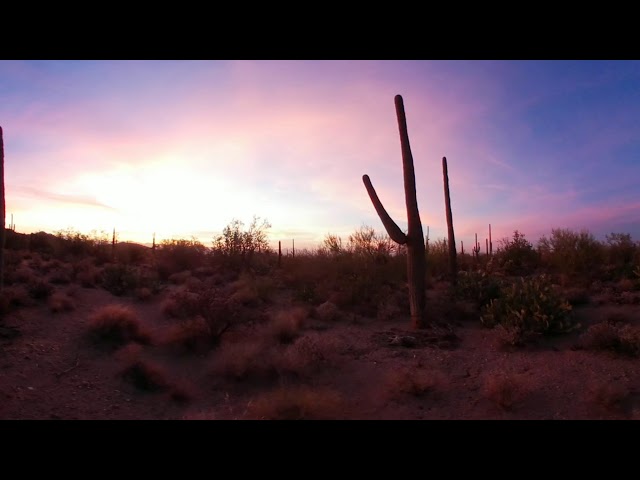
181 148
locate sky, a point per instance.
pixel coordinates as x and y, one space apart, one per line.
182 148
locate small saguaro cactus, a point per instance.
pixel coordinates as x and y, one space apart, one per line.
414 238
490 242
476 248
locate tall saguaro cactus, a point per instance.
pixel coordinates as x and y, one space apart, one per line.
3 208
453 262
414 239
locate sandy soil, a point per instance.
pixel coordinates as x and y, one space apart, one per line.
362 368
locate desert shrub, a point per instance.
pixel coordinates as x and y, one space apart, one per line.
61 276
516 256
530 307
39 289
285 325
146 375
309 354
572 253
437 257
23 274
219 311
131 253
116 325
237 247
181 303
122 279
179 255
625 285
191 335
327 311
478 286
60 302
41 242
621 253
577 296
297 403
331 245
71 242
179 278
506 390
143 294
17 296
252 359
374 246
615 337
412 381
119 279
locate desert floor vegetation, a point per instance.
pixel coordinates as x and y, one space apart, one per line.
233 331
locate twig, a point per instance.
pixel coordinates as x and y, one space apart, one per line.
70 368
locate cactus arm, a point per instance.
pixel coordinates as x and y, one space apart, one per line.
392 229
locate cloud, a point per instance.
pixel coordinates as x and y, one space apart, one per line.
31 193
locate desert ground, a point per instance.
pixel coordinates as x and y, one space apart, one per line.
139 337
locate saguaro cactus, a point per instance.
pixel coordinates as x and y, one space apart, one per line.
490 242
453 262
476 248
414 239
3 208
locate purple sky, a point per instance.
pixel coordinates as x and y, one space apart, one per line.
183 147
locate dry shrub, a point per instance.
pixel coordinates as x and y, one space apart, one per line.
191 335
618 317
506 390
615 337
181 304
609 395
87 274
309 354
61 302
247 360
389 310
625 285
297 403
285 325
17 296
193 283
24 275
51 265
327 311
61 276
411 380
181 392
180 278
577 296
251 291
116 325
142 373
146 375
40 289
143 294
247 296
